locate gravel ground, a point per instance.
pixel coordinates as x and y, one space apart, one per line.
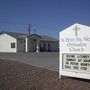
19 76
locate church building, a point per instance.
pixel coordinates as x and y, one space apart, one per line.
18 42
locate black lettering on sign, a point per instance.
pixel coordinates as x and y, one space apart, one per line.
86 60
75 67
84 68
70 56
84 64
66 62
74 63
82 56
79 60
67 59
66 66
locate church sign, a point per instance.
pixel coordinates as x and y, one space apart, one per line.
75 51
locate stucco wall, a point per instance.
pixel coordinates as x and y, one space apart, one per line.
53 46
5 43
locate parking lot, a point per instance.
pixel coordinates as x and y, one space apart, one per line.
48 60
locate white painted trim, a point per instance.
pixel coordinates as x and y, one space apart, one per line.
26 44
37 47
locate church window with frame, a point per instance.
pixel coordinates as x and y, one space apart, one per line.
13 45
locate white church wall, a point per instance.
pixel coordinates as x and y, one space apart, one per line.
53 46
5 43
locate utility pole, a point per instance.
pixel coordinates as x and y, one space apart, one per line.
29 29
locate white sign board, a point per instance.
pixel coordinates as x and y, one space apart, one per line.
75 51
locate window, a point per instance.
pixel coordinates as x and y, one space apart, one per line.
12 45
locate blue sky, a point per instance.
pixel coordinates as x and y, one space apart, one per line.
46 16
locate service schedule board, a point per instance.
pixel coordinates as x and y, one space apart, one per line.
79 63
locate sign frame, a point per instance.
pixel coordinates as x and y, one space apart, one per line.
64 48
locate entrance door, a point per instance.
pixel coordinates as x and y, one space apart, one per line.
21 45
32 45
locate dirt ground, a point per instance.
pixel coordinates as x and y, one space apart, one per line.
19 76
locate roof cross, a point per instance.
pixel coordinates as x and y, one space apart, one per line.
76 30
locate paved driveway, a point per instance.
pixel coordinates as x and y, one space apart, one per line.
48 60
